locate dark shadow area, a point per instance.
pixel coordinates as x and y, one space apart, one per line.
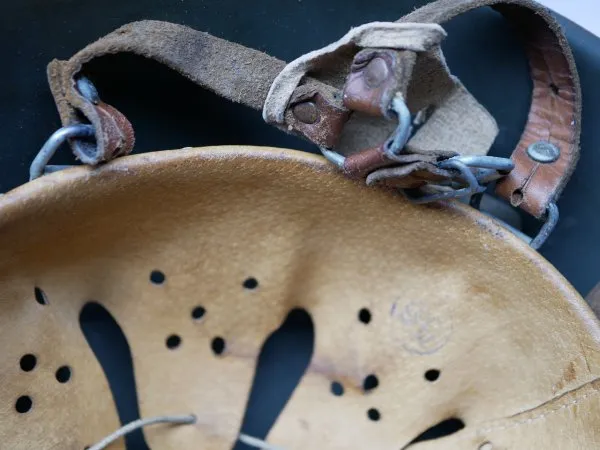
283 360
109 344
442 429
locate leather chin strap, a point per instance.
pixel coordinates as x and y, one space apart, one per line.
323 110
555 113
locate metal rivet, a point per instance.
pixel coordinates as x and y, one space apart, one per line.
543 152
306 112
376 72
88 90
486 446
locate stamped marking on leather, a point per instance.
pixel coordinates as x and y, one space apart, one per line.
424 329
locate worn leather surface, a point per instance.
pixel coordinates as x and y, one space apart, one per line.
517 349
228 69
555 117
233 71
244 75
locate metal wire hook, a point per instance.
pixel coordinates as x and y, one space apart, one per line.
397 141
465 173
38 165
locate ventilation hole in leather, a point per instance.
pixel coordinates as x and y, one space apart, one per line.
516 197
554 88
218 345
23 404
109 344
40 296
283 359
198 313
173 341
374 414
63 374
28 362
364 315
370 383
337 389
157 277
251 283
432 375
439 430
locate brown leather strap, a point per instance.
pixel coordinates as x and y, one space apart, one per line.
555 113
316 110
238 73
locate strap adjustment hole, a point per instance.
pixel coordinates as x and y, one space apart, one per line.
364 315
337 389
370 382
432 375
63 374
28 362
173 341
374 414
23 404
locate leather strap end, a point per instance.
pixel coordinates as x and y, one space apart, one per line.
554 117
114 133
374 165
360 164
316 114
375 77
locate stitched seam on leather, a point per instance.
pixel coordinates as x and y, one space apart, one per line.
546 413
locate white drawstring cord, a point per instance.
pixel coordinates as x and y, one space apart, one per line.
177 420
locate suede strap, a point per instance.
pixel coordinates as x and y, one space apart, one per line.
316 111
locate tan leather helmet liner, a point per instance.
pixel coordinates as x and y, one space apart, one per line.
513 349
